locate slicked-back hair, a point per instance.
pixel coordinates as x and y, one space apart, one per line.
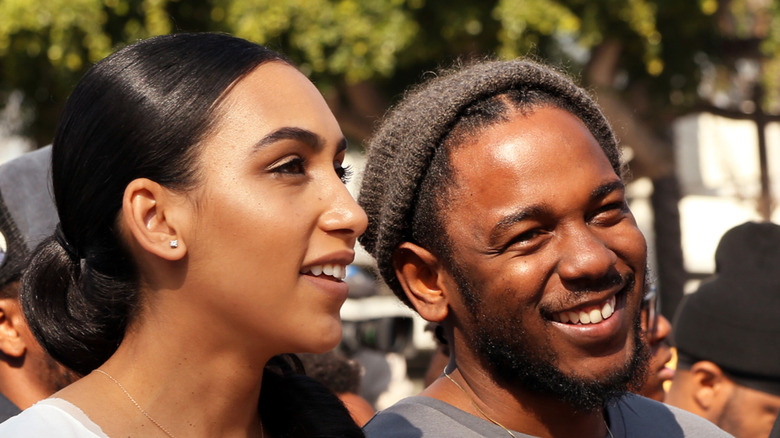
139 113
408 173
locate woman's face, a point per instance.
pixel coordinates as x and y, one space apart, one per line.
273 224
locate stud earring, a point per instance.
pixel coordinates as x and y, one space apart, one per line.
174 243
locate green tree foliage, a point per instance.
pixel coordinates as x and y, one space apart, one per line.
666 47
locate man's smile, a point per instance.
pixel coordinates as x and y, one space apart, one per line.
592 314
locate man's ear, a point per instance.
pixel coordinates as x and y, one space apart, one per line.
149 213
422 278
11 340
711 387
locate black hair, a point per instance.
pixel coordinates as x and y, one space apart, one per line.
139 113
337 372
408 174
315 411
142 112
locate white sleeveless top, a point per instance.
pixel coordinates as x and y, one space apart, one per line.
51 417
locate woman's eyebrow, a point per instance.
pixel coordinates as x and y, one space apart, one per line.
291 133
299 134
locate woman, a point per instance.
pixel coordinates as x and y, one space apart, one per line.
204 231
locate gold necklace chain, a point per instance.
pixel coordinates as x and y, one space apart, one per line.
474 403
146 414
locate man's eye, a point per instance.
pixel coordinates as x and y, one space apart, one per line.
526 236
610 212
526 241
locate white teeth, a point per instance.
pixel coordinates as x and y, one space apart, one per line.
593 316
609 308
335 271
339 271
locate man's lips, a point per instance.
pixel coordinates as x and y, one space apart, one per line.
590 314
603 336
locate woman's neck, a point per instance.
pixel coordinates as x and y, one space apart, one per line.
180 375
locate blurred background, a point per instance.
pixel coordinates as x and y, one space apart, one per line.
692 88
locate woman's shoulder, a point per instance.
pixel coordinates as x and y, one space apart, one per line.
51 417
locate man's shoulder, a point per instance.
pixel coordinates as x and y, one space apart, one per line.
631 416
410 417
637 416
425 417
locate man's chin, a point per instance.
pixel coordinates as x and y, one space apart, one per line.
583 394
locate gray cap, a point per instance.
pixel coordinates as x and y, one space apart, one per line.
27 212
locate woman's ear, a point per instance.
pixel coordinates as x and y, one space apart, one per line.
149 213
422 278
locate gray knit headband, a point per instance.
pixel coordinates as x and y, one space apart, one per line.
397 161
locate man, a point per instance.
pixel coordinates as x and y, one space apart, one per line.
726 335
656 330
497 209
775 432
27 216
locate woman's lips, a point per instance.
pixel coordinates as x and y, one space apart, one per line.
335 271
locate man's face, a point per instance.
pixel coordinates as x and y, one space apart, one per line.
748 413
541 234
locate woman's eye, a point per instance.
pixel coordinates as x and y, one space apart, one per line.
296 165
344 172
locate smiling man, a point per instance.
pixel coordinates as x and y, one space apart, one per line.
497 209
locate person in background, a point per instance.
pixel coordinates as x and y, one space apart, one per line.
497 209
775 432
656 330
726 335
27 216
205 229
342 376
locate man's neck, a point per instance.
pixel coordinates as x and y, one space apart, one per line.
473 390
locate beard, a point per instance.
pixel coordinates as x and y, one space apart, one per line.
502 342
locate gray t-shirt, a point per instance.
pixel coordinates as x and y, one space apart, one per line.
630 417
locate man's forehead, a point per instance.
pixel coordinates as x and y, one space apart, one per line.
544 161
522 142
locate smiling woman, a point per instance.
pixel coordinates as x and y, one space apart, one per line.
204 232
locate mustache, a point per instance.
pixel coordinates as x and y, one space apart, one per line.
609 281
